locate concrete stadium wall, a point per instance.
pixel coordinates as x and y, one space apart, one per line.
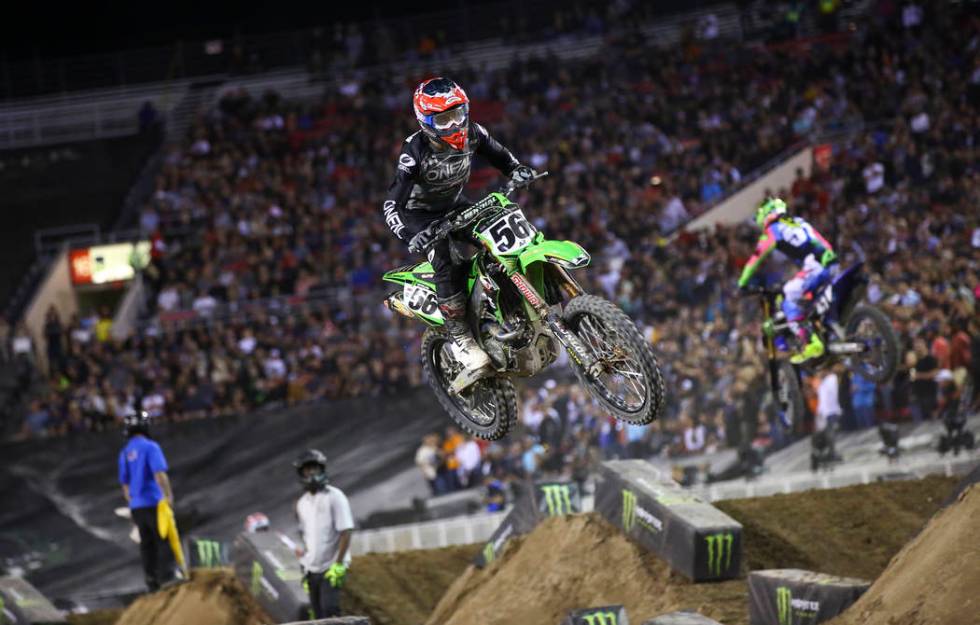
56 290
478 528
742 204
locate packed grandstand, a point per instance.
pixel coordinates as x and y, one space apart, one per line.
261 293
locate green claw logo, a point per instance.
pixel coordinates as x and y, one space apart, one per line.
629 509
209 553
488 553
784 603
256 578
719 550
557 498
600 618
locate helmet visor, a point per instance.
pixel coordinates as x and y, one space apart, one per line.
455 116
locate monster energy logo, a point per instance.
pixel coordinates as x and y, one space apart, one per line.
787 607
719 551
633 513
629 509
208 553
600 618
256 578
784 610
488 553
557 498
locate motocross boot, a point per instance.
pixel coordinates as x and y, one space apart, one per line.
465 349
812 348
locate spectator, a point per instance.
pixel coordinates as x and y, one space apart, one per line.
923 369
427 460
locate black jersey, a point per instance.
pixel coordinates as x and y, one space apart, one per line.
428 179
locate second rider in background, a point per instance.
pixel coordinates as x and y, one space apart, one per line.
797 239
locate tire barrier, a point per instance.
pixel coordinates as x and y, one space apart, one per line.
681 618
542 500
339 620
605 615
798 597
206 553
695 538
270 571
23 604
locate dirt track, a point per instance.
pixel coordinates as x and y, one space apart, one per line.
579 561
935 579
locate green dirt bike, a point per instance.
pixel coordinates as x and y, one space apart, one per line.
522 305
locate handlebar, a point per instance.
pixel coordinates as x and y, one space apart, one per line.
462 217
755 289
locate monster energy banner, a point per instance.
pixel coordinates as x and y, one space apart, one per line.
22 604
695 538
270 570
543 499
606 615
681 618
797 597
206 553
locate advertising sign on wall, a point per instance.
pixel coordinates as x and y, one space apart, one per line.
102 264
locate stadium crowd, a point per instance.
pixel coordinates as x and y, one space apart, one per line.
279 202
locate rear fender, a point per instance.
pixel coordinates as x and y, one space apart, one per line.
848 287
417 297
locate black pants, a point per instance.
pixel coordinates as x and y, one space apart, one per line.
154 551
324 598
449 278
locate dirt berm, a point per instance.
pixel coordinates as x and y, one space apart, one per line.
583 561
935 579
211 597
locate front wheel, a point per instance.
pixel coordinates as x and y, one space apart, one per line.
871 328
789 396
629 383
486 409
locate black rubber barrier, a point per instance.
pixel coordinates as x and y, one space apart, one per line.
605 615
541 500
23 604
206 553
269 569
340 620
682 618
695 538
797 597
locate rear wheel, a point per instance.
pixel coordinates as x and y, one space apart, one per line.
486 409
629 383
873 330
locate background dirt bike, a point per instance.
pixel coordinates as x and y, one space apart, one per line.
859 335
522 305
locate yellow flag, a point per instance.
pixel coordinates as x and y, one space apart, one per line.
167 525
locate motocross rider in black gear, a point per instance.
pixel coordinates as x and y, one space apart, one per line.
433 167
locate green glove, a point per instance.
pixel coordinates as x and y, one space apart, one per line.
335 574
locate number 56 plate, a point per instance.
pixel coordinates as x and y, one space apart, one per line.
509 234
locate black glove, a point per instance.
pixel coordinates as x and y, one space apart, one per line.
421 241
522 175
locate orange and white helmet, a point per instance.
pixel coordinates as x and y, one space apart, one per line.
443 111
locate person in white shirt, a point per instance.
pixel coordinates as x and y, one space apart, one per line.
827 418
325 525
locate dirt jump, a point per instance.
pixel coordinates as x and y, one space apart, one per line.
935 579
211 597
580 561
